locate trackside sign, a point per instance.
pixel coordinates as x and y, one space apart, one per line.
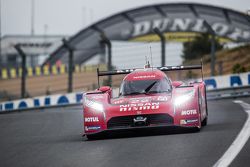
43 101
189 25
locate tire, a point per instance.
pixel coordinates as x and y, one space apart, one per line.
92 137
204 122
196 129
206 100
200 123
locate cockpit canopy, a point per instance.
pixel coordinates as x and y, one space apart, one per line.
133 87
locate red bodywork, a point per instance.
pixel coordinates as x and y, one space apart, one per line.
182 105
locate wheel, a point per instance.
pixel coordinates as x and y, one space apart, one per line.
196 129
206 100
204 122
94 136
200 104
91 137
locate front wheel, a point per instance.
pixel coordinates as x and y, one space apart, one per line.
94 136
91 137
197 129
204 122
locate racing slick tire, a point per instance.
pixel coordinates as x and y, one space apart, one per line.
196 129
95 136
92 137
204 122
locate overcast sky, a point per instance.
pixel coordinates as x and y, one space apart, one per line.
70 16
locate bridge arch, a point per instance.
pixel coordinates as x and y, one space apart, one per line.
137 25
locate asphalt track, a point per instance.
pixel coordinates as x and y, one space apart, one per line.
52 137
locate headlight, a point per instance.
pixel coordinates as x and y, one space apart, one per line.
93 105
184 98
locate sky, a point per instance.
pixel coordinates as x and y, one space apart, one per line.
67 17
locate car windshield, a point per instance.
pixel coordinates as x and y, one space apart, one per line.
144 86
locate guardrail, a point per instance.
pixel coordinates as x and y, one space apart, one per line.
226 93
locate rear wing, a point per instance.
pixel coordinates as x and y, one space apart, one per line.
165 68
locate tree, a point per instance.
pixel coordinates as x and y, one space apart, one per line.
237 68
199 47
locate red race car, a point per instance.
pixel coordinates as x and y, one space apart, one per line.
147 99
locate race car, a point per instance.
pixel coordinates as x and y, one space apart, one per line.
147 99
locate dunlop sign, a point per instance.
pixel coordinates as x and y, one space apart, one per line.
189 25
179 22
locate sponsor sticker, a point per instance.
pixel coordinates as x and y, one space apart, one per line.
91 119
188 121
189 112
119 101
140 100
97 97
144 76
162 98
191 120
92 128
140 106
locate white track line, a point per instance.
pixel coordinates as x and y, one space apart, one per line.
239 142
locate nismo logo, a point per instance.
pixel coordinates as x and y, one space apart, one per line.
140 106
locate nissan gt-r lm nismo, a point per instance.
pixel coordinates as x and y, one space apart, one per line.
147 98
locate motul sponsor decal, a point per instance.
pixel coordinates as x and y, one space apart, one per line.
189 112
91 119
140 106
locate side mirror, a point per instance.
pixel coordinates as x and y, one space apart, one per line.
104 88
177 83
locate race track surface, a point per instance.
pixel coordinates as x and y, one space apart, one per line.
52 137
